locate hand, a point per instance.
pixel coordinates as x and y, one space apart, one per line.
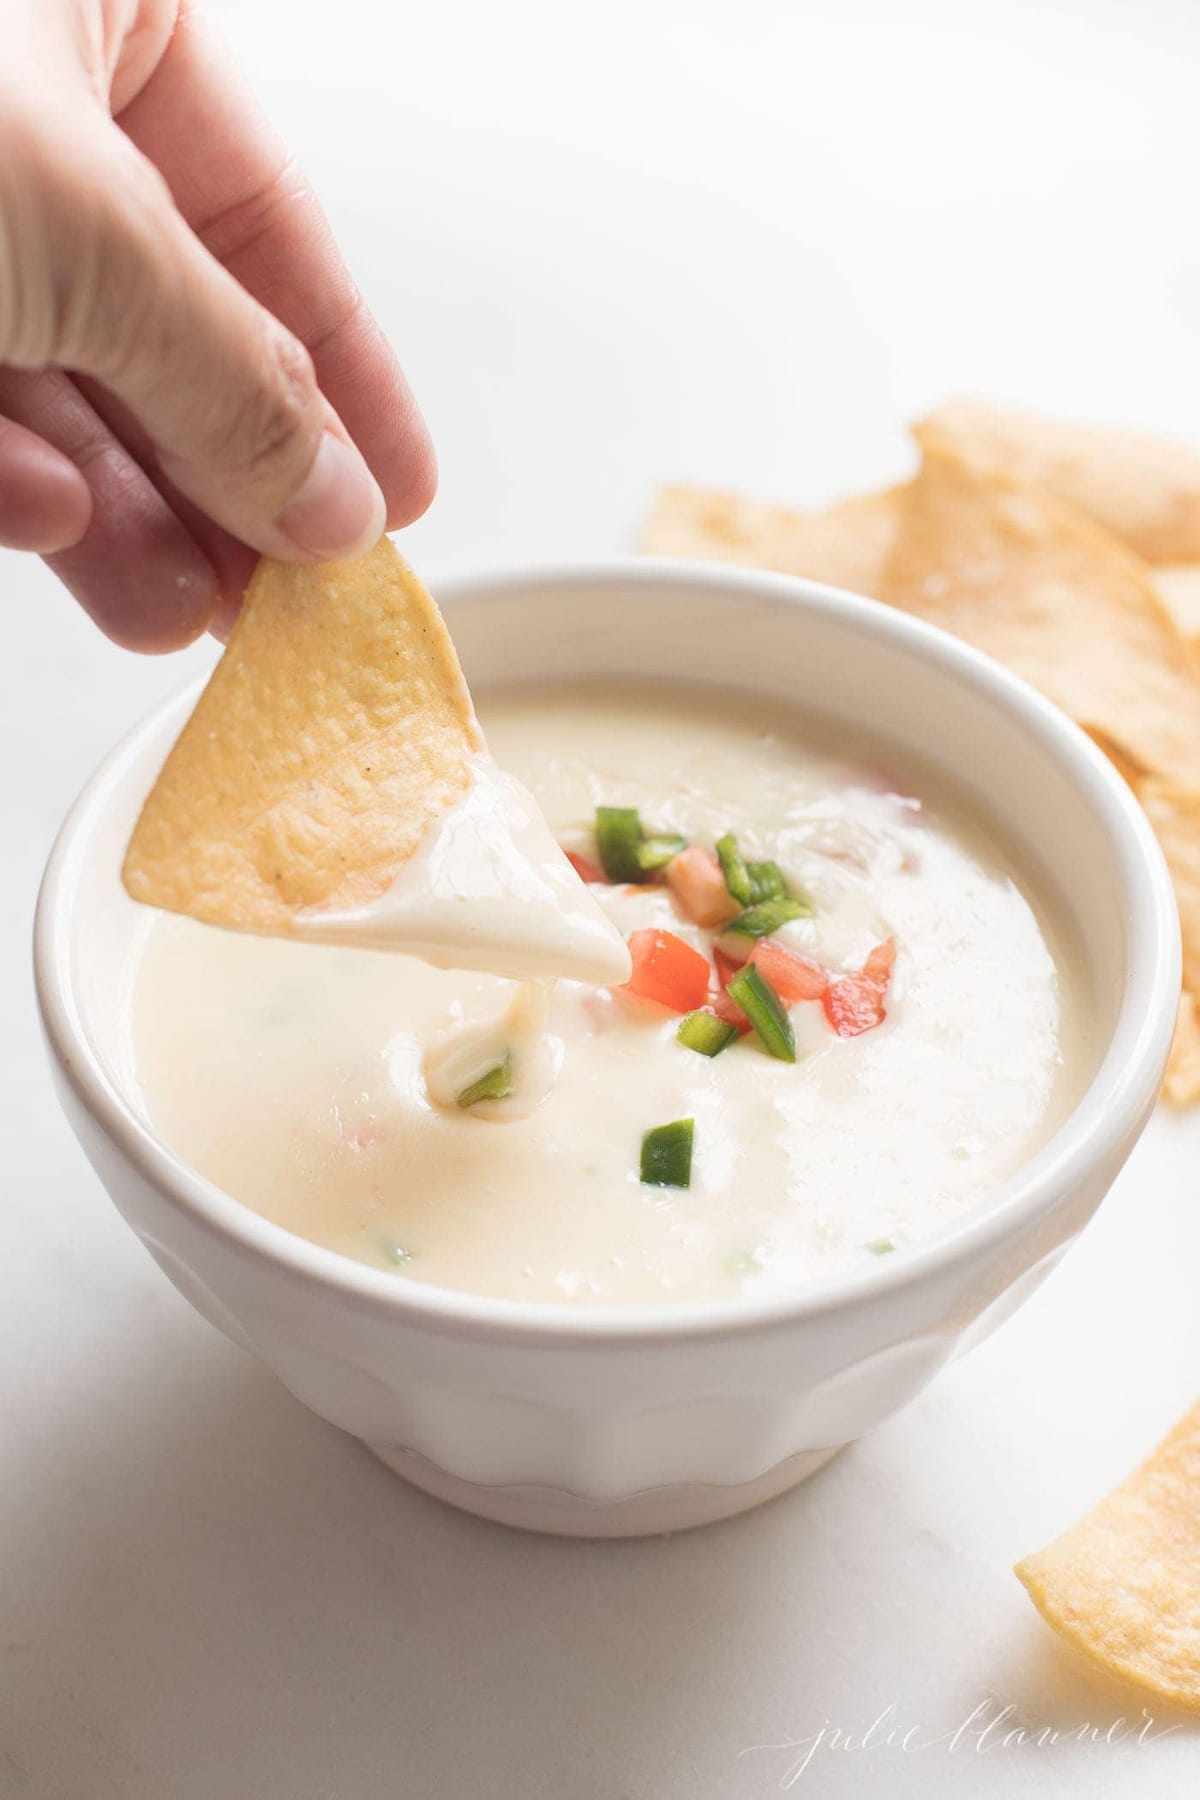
187 374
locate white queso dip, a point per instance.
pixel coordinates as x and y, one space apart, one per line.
849 1020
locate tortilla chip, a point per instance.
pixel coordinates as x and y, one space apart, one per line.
1036 585
1179 590
848 546
1143 488
1175 815
334 730
1120 762
1123 1585
1181 1086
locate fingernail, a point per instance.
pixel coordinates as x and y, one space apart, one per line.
339 511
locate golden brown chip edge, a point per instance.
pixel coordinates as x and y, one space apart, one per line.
1035 1573
156 870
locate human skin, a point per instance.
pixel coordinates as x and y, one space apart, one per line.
188 375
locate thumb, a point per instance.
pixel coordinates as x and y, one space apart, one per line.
227 395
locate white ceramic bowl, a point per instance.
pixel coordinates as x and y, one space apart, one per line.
610 1422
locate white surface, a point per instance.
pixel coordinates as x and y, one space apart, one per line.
647 243
552 1422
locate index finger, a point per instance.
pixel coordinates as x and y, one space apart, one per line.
233 180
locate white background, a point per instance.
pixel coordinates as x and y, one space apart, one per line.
740 243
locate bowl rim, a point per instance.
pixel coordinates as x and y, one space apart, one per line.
1105 1118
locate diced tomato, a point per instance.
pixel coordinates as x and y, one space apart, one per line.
584 867
855 1005
722 1005
695 879
729 1010
793 977
858 1003
878 966
727 966
667 970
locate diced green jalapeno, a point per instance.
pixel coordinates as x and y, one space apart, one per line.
495 1084
880 1246
618 839
656 852
627 851
749 883
765 1011
703 1031
767 917
737 875
766 882
667 1155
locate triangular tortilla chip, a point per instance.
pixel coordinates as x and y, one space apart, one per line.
1033 583
1145 489
846 546
1123 1585
1174 812
1182 1084
335 729
1128 771
1179 590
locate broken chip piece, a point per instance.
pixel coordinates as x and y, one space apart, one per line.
1145 489
1174 812
1033 583
1178 588
1182 1084
847 546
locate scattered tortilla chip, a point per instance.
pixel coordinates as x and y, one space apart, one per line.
1145 489
1035 584
1181 1086
1128 771
1179 590
847 546
334 730
1123 1585
1175 815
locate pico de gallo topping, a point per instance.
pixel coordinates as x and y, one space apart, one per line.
495 1083
749 883
858 1003
767 916
584 867
627 851
765 1011
748 981
666 1159
695 879
793 977
667 970
706 1033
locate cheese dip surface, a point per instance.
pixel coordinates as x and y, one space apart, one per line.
858 1005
